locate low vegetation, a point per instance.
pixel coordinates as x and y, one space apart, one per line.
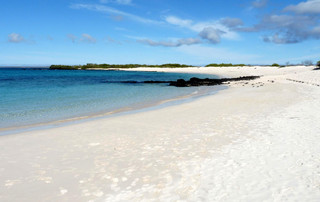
168 65
114 66
225 65
171 65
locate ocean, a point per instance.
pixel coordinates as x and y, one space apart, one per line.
39 95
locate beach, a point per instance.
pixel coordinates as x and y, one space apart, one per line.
255 141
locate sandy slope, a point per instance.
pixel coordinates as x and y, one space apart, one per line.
253 142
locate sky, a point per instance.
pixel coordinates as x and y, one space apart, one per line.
45 32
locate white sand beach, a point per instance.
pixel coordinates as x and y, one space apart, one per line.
256 141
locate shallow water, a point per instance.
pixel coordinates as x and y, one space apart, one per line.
32 96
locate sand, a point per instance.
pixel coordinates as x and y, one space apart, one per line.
255 141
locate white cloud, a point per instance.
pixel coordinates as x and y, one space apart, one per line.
225 31
117 18
126 2
179 42
286 29
113 11
280 39
88 38
259 3
211 34
207 54
108 39
316 30
180 22
123 2
231 22
15 38
223 28
208 31
307 7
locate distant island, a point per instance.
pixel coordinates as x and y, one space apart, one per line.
167 65
127 66
115 66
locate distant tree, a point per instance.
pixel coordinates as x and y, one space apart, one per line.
287 63
275 65
307 63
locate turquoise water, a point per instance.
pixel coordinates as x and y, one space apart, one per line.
32 96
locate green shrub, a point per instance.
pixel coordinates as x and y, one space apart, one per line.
174 65
63 67
108 66
225 65
275 65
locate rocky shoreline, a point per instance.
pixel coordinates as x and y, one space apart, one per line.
209 82
194 81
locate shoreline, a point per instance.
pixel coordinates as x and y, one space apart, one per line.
109 114
254 141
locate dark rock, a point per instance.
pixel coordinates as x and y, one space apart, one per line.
179 83
208 82
129 81
156 82
194 81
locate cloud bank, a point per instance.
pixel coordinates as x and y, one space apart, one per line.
308 7
294 24
287 28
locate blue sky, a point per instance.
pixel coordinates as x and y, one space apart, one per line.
44 32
